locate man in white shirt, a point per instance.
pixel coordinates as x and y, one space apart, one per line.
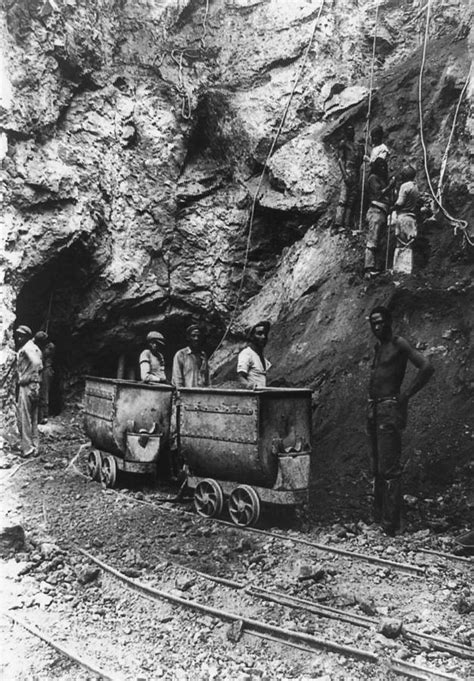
190 366
29 368
252 366
152 362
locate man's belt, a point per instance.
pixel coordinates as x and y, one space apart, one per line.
380 206
380 400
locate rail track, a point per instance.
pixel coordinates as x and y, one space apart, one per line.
281 635
405 567
295 638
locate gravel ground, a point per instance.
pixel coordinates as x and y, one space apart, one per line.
51 585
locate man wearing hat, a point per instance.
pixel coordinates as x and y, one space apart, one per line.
252 366
29 367
190 365
47 350
152 362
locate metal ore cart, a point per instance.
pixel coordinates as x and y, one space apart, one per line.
128 424
248 446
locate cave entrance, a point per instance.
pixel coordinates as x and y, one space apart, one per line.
50 301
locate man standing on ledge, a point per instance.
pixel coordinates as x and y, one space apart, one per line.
190 366
387 413
252 366
29 366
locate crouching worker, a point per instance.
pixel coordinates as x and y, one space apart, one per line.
252 365
152 362
406 207
29 369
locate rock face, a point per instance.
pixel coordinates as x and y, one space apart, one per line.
134 136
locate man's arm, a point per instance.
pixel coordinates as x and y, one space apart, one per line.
244 382
243 366
422 363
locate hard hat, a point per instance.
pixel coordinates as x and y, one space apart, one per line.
41 337
157 336
24 330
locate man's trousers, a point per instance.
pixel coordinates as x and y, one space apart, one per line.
385 424
27 416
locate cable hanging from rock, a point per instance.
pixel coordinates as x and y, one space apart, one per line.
458 223
262 175
369 111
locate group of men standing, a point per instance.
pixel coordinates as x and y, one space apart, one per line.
377 196
191 366
34 364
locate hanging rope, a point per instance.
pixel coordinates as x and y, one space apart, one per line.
445 155
458 224
262 175
369 111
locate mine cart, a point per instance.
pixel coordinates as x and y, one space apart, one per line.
128 424
248 446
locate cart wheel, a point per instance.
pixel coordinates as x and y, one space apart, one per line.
94 465
208 498
244 506
109 471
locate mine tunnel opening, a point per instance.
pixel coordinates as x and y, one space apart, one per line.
51 300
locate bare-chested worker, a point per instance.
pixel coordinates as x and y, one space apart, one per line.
252 366
152 362
387 413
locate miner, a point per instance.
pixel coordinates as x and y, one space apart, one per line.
387 413
379 148
29 369
190 365
349 159
378 196
252 365
48 350
406 208
152 362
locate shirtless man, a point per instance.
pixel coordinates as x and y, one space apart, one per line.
387 413
252 366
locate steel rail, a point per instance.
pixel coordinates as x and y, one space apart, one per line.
276 634
414 671
67 652
435 642
251 625
450 556
403 567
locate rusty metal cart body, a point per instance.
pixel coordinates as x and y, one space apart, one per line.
128 424
248 446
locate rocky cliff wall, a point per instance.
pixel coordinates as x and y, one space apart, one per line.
134 135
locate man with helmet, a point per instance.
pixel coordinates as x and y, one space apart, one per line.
152 362
190 366
252 365
29 368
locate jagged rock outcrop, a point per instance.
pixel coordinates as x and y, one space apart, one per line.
134 137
